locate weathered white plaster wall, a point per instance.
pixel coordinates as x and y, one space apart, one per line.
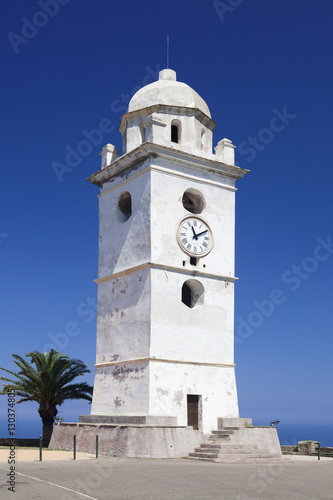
124 244
156 324
203 333
123 317
121 390
170 383
167 210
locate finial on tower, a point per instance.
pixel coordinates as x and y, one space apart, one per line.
167 74
168 51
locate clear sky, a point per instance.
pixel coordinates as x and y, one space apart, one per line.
265 70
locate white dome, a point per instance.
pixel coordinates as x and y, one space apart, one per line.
169 92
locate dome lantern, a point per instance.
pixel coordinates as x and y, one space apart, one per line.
170 113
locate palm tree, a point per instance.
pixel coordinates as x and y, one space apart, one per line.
47 380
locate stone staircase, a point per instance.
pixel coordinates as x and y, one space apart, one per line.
223 446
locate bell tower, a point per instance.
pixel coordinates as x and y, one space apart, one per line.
165 318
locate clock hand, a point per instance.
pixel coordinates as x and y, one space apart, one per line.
194 235
203 232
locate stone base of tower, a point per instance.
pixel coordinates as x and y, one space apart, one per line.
127 440
238 441
235 440
129 419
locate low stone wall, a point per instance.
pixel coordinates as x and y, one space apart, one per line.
19 442
307 448
141 441
326 451
263 437
289 449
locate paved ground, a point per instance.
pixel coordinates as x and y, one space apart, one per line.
110 478
29 455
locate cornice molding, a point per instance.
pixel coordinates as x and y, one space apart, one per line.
162 360
164 108
150 150
161 267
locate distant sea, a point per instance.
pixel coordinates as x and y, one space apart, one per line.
292 433
288 433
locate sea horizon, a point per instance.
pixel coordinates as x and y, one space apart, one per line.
289 433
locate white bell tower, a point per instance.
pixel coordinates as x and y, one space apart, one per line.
165 319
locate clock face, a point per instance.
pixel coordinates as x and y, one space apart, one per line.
194 236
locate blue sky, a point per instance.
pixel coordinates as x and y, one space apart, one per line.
265 70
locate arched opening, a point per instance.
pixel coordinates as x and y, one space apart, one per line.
193 201
175 131
192 293
124 211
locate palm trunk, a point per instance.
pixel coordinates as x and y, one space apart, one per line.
47 414
47 432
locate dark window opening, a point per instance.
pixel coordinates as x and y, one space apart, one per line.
193 293
193 261
193 201
124 207
186 295
174 133
188 204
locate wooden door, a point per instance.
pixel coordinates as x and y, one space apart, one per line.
193 410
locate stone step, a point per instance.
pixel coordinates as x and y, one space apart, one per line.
219 439
244 460
241 460
231 445
207 449
203 459
243 452
210 445
240 456
229 429
223 432
203 455
220 447
231 452
227 448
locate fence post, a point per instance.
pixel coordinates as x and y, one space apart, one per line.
96 446
40 448
74 447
